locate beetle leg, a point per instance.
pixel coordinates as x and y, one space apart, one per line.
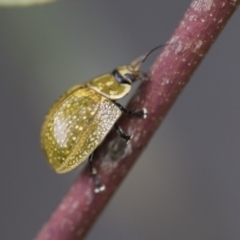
98 185
139 113
122 134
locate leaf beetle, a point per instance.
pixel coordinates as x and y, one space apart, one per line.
82 117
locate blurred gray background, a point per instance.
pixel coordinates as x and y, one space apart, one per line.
186 184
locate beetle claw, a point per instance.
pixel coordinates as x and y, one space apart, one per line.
144 113
99 189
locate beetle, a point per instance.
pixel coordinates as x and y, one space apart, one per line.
82 117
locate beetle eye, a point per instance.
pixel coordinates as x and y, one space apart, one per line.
119 78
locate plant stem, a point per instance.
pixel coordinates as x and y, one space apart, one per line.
190 42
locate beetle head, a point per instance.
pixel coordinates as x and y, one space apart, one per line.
130 73
118 84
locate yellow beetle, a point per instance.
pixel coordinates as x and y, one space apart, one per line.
80 119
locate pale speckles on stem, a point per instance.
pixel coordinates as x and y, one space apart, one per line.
65 222
152 71
165 81
73 207
166 99
88 196
136 137
154 67
192 18
202 5
181 83
62 207
136 134
198 45
166 52
180 47
176 73
176 44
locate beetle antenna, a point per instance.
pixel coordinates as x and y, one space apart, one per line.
151 51
136 64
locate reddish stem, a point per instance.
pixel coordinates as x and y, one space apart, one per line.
171 71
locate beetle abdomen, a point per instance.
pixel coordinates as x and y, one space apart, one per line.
76 126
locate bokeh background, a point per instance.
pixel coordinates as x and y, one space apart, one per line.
186 185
